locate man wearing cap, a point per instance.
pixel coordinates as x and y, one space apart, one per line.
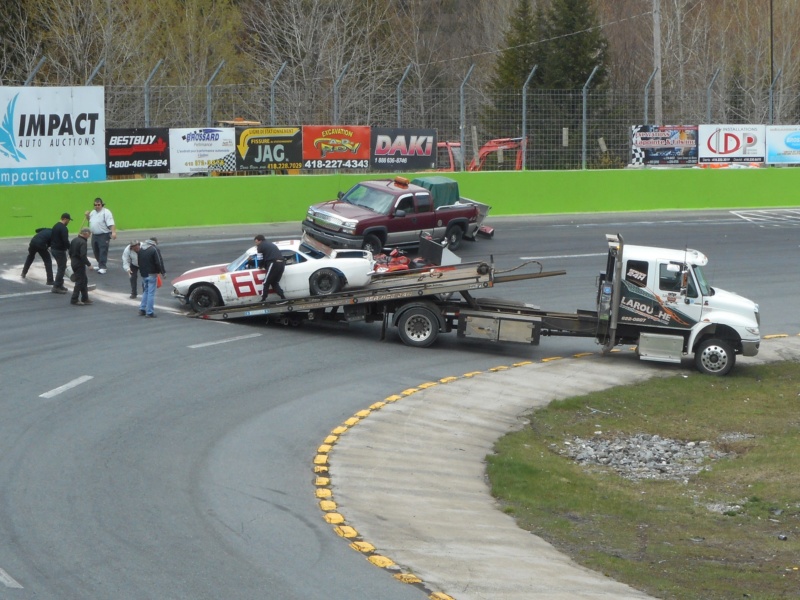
101 224
79 261
59 245
130 263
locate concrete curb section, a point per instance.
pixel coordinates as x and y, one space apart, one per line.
409 481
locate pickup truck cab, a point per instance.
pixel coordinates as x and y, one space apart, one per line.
394 212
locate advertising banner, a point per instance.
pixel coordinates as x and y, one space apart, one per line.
731 144
403 149
52 135
268 148
336 147
137 150
664 145
202 150
783 144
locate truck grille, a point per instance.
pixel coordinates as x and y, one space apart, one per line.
333 223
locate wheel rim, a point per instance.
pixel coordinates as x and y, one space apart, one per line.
714 358
418 328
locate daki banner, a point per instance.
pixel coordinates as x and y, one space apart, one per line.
403 149
52 135
201 150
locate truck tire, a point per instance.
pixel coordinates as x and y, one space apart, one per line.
204 297
714 357
453 236
324 282
418 327
372 243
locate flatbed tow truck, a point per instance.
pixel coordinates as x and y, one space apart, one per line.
655 298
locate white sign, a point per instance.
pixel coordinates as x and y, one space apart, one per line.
731 144
783 144
52 134
202 150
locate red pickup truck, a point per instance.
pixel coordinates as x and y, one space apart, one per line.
395 212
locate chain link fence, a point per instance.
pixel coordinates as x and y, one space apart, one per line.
565 129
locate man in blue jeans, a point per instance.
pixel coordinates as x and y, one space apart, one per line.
151 265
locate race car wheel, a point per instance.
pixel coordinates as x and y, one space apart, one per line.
714 357
418 327
372 243
324 282
204 297
454 236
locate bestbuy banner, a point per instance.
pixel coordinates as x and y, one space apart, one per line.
51 135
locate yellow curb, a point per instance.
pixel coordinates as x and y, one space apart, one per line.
345 531
381 561
331 439
394 398
323 493
523 363
363 413
334 518
616 350
448 379
427 385
409 391
352 421
377 405
440 596
500 368
552 358
320 469
324 449
321 459
472 374
407 578
582 354
339 430
362 547
327 505
775 336
322 481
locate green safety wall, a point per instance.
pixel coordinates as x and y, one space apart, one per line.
198 201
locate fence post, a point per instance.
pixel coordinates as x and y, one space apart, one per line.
525 115
96 69
35 70
646 94
147 93
272 94
208 94
336 95
400 95
585 101
708 97
463 116
772 96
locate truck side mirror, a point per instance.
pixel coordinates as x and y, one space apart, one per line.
340 195
399 213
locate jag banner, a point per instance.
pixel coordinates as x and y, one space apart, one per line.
269 148
133 151
52 134
336 147
403 149
202 150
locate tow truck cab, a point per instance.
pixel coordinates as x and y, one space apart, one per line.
660 300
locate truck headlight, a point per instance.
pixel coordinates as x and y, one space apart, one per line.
349 227
310 214
753 331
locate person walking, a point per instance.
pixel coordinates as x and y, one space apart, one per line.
59 246
79 261
151 265
130 263
39 244
103 228
273 264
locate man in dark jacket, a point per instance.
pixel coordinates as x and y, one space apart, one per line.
59 245
39 245
273 265
79 261
151 265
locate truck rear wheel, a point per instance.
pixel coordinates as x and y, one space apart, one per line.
453 236
714 357
418 327
372 243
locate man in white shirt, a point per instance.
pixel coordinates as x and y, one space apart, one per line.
101 224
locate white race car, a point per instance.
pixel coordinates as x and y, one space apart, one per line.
312 269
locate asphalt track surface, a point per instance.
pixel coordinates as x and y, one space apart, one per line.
177 458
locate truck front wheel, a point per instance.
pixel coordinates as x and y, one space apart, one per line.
454 236
418 327
714 357
372 243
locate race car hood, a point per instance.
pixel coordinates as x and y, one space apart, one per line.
344 211
200 272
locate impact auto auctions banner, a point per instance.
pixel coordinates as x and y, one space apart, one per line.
52 134
202 149
731 144
268 148
664 145
403 149
336 147
134 151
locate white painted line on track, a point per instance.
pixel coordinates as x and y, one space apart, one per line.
233 339
562 256
8 581
4 296
67 386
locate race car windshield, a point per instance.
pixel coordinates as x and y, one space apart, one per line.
379 201
245 261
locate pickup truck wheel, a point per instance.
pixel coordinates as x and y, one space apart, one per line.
372 243
714 357
324 282
453 237
204 297
418 327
